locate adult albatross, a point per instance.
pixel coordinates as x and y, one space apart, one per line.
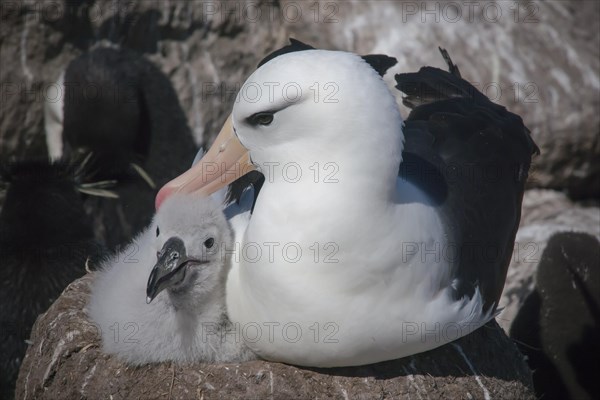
352 256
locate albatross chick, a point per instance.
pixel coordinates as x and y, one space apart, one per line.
163 297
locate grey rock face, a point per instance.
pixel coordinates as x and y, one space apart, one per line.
65 360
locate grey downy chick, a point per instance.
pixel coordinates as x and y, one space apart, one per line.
163 297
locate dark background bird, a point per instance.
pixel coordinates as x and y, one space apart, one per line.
122 111
559 324
45 240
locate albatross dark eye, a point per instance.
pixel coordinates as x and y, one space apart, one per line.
157 231
261 118
208 243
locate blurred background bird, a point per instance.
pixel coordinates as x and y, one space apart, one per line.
45 241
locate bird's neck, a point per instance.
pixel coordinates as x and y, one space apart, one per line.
308 190
198 300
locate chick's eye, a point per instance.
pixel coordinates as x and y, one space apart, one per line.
157 231
261 118
208 243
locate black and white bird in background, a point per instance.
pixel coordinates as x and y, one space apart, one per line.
120 110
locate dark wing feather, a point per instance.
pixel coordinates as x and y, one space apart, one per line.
380 62
236 188
482 154
452 68
295 45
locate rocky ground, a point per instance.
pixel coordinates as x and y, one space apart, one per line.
65 361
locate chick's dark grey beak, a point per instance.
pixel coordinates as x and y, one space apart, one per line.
170 268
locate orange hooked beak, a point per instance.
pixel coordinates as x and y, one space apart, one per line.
226 161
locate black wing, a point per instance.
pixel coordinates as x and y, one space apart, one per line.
472 156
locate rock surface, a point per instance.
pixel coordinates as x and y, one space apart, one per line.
65 360
540 59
